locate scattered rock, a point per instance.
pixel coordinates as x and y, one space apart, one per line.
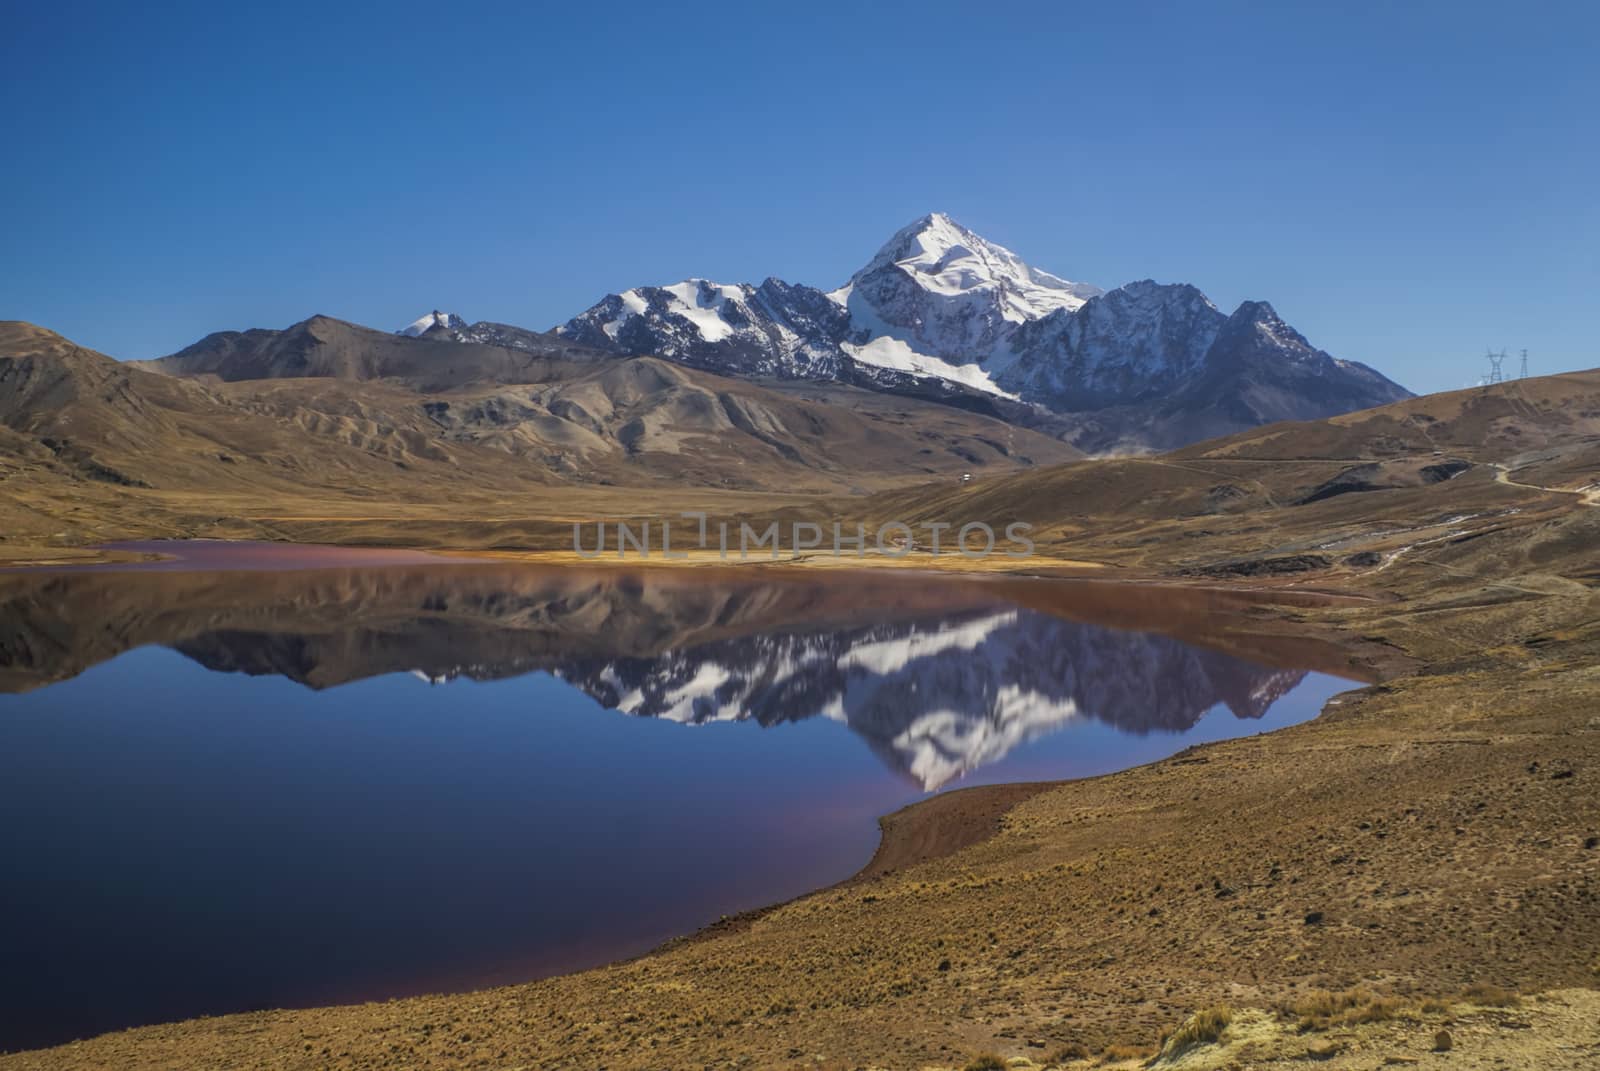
1289 563
1325 1050
1387 475
1444 470
1223 495
1442 1041
1313 918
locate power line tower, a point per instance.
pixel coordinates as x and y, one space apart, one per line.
1524 373
1496 375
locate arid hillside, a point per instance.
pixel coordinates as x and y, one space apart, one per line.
1312 499
92 449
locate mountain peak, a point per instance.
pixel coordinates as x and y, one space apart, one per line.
949 260
1256 312
423 324
941 301
1259 320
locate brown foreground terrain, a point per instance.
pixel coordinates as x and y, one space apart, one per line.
1417 869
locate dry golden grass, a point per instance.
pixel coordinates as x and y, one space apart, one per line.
1202 1028
1486 995
985 1062
1323 1010
1121 1052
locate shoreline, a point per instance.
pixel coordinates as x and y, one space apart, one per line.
1270 623
997 829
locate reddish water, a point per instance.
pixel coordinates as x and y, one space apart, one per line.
234 555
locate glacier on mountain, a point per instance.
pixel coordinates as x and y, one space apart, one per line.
942 311
449 321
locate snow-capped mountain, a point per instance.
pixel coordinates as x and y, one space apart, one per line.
939 300
774 329
936 302
448 321
941 309
441 326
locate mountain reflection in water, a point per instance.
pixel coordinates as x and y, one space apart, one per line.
937 679
226 790
939 696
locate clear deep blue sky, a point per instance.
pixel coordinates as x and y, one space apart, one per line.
1406 186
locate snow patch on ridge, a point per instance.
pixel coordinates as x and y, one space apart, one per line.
701 303
423 324
892 353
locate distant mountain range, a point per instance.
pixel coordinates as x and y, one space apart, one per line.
939 308
944 355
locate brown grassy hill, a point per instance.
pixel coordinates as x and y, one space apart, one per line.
325 347
639 420
1350 492
81 415
1492 423
91 448
590 417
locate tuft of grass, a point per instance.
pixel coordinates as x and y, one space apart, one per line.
1069 1052
1376 1010
1323 1010
1490 996
1116 1053
1201 1028
986 1062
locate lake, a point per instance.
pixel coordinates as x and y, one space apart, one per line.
234 782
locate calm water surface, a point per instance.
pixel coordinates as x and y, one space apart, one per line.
228 789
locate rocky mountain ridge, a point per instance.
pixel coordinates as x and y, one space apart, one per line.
941 308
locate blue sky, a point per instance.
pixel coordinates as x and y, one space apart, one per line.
1408 184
